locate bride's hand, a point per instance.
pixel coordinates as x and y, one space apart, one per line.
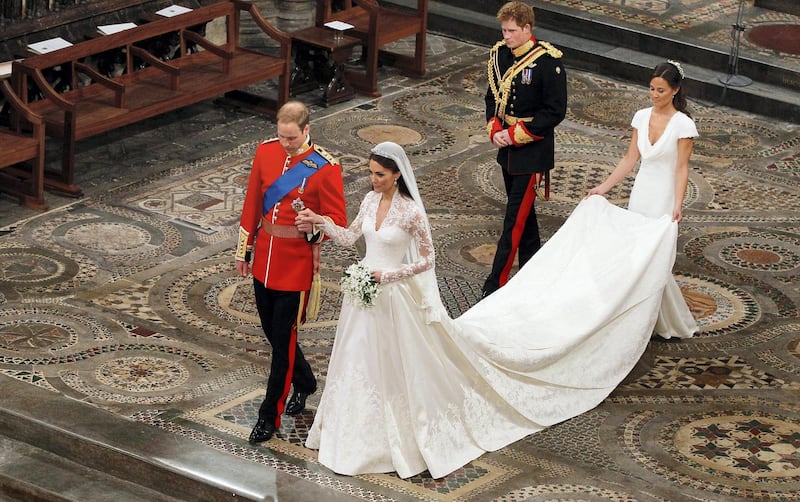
377 276
306 219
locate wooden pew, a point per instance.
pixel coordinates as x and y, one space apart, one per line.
107 103
377 25
22 142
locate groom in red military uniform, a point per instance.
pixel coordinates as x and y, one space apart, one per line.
525 101
289 173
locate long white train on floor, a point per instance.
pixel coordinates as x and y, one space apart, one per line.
551 344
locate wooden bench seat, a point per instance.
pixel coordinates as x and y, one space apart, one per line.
22 143
107 103
146 91
376 26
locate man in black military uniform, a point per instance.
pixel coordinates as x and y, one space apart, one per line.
525 101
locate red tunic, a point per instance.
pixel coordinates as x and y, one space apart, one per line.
280 263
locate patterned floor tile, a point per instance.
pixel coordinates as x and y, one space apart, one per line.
128 298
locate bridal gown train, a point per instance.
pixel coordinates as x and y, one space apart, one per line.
653 195
404 394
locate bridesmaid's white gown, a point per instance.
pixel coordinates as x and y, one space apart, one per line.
406 395
653 195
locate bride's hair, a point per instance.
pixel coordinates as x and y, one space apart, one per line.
387 163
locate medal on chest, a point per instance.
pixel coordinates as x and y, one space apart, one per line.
527 76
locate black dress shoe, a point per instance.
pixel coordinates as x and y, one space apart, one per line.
297 403
263 431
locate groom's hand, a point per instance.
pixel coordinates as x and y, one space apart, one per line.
243 268
304 226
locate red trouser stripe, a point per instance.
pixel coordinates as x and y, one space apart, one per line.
287 381
292 353
519 227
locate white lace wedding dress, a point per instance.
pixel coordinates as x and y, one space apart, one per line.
653 195
408 391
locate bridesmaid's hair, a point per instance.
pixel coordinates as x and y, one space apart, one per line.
669 72
387 163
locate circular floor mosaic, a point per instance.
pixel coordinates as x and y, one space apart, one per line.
780 37
234 296
31 267
571 179
141 374
761 260
757 446
354 130
487 178
210 297
35 335
468 253
725 137
108 237
603 108
718 308
448 120
44 334
744 453
378 133
768 255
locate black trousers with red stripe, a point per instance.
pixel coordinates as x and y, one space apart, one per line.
278 313
520 229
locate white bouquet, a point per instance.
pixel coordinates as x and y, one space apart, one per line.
360 286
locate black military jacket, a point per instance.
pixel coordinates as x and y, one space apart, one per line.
531 105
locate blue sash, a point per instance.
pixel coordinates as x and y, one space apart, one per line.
292 178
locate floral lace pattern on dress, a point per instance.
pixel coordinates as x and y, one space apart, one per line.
403 214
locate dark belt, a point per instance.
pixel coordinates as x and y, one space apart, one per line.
282 231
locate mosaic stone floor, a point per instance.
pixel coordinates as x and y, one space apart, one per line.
706 23
127 299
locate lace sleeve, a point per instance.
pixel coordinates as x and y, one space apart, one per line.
418 227
347 236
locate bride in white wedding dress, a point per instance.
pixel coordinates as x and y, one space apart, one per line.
663 137
408 389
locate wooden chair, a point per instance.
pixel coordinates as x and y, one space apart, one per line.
22 145
377 26
155 86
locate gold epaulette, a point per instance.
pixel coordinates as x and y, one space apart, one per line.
555 53
330 158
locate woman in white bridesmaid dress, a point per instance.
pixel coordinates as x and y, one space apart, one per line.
662 137
409 389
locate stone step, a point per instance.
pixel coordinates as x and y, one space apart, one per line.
28 473
627 53
98 446
666 46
